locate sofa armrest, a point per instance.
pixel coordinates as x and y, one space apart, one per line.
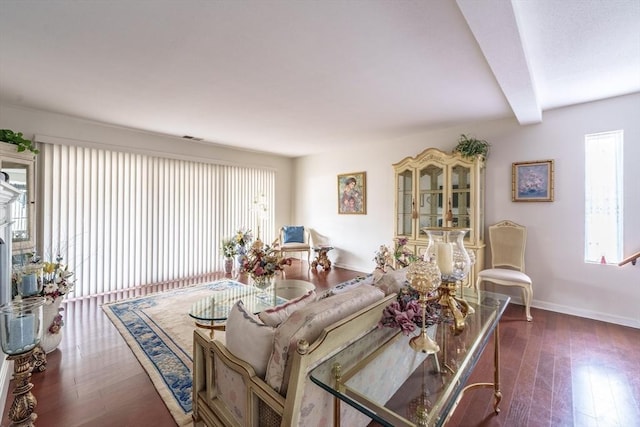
226 390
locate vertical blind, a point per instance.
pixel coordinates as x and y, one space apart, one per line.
122 220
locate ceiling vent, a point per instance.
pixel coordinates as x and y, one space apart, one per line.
192 138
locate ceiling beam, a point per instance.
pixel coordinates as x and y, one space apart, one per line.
495 27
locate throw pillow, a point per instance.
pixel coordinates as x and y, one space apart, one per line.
308 323
294 234
278 314
248 338
391 281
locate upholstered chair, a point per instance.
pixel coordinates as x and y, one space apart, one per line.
292 238
507 241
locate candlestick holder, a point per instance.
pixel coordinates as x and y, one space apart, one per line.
424 277
20 331
446 248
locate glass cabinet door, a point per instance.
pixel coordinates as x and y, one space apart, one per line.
461 196
431 192
404 203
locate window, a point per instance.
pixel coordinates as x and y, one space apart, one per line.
603 197
123 220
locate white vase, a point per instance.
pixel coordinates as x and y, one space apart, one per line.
52 326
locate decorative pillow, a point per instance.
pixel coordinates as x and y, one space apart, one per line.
294 234
248 338
308 323
391 281
278 314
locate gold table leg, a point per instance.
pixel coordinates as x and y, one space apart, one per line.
211 328
497 394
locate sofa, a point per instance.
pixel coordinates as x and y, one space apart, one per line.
257 372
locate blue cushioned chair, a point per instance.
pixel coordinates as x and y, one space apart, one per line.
294 239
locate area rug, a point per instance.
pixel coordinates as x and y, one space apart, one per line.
159 331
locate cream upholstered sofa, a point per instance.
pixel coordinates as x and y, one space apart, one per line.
233 387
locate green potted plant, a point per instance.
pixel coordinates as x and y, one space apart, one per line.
471 147
16 138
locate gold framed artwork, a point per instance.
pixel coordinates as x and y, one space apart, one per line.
352 190
532 181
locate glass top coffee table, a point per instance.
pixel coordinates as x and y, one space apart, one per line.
212 311
382 377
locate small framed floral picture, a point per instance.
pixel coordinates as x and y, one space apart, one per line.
532 181
352 193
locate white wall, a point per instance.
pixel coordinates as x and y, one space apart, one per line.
554 258
32 122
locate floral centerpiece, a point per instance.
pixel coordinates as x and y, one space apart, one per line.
262 262
57 280
229 249
406 312
383 258
243 239
401 254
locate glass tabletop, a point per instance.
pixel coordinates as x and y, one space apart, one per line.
383 377
216 307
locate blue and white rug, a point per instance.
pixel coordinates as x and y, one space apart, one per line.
159 331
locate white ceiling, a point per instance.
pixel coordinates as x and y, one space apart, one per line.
305 76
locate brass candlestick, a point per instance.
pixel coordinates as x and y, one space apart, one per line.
24 402
457 307
446 248
424 277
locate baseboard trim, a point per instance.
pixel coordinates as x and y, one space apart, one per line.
573 311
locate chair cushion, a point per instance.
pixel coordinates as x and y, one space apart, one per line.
308 323
504 274
248 338
293 234
278 314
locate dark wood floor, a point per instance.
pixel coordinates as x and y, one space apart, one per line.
558 370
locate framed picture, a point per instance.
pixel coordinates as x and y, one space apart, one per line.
352 190
532 181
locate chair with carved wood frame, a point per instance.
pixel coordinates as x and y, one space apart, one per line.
507 241
283 246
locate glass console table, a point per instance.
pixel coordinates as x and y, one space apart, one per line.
383 378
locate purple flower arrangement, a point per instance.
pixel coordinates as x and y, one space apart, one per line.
406 312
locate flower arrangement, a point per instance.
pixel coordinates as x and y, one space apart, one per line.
53 279
242 239
262 260
406 313
56 279
402 254
229 249
383 257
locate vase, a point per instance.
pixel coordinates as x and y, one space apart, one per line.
52 325
262 282
239 261
228 265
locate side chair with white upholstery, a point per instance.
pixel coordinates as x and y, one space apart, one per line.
294 239
507 241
